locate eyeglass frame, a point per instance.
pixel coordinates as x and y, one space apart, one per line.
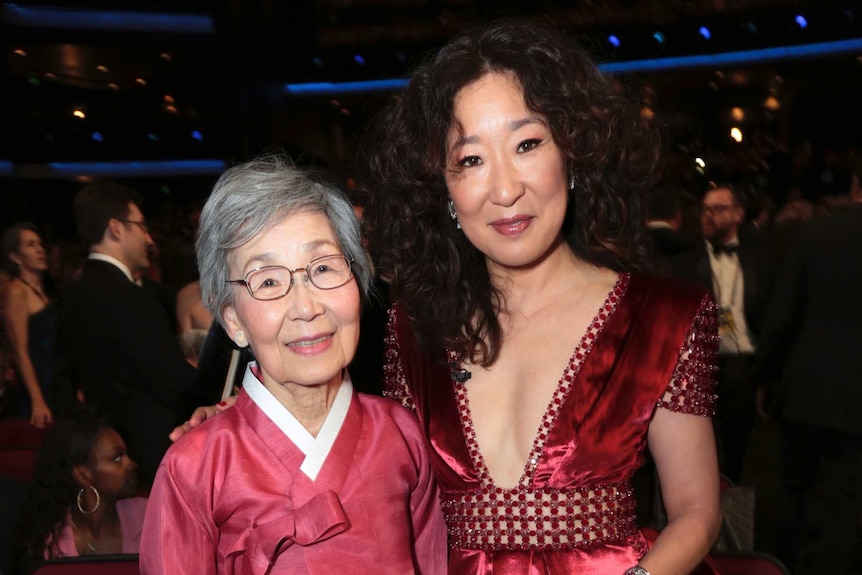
717 209
141 224
306 269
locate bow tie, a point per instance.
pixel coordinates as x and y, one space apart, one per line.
728 249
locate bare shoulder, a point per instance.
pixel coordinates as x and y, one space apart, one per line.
15 290
189 292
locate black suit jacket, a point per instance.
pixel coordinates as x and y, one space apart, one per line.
811 345
668 243
115 342
757 260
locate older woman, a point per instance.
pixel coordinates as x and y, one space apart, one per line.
302 475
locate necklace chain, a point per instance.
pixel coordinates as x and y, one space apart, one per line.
90 545
36 291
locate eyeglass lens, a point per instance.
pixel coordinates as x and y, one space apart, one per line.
272 282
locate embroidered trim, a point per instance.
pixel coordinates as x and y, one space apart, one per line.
494 519
692 386
562 391
395 383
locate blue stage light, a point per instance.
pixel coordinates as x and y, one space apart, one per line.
119 21
850 46
336 88
615 42
704 31
801 21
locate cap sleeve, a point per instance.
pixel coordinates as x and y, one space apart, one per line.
693 383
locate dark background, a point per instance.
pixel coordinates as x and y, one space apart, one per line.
145 89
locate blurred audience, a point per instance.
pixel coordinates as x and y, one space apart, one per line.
663 216
808 363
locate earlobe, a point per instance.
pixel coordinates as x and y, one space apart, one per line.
113 229
231 323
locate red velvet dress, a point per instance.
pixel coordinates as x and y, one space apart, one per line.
651 345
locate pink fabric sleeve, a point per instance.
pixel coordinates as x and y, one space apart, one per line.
692 385
177 538
429 527
132 512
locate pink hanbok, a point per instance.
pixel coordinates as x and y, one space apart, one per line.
246 493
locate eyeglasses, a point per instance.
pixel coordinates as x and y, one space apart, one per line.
717 209
141 224
273 282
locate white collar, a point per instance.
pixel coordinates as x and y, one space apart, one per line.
114 261
316 449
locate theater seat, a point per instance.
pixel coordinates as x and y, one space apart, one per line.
754 563
17 433
18 463
125 564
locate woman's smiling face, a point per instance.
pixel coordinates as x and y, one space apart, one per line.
308 336
505 173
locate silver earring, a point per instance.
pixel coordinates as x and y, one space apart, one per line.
571 181
240 339
454 215
81 496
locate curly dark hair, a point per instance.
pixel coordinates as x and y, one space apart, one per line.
69 443
611 152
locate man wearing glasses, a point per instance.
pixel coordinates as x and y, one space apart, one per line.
735 262
116 347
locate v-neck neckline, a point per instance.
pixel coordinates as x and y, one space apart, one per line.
564 386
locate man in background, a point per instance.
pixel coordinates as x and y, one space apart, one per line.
116 345
663 218
736 263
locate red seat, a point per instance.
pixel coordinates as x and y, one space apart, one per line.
18 463
17 433
754 563
126 564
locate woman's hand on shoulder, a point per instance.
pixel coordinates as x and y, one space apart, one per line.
200 415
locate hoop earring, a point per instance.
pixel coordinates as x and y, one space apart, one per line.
240 338
81 495
454 215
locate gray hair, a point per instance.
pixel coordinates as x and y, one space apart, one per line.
253 197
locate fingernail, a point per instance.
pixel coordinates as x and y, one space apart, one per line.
222 403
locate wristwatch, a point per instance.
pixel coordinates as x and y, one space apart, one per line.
636 570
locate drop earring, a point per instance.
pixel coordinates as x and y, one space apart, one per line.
454 215
571 181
